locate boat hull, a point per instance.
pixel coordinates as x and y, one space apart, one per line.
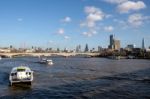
20 82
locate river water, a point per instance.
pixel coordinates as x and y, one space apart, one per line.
79 78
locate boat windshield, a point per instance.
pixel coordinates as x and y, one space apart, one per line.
20 69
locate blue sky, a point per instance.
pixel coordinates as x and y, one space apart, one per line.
68 23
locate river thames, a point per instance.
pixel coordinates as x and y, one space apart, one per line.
79 78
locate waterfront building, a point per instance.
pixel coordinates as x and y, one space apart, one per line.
130 46
5 50
148 50
92 50
29 50
66 50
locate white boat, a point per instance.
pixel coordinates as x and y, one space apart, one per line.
49 62
21 74
131 57
46 61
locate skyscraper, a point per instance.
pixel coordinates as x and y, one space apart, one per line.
78 48
114 44
111 42
143 46
86 48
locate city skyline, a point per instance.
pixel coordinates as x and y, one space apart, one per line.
68 23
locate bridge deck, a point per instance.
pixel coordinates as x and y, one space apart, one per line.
47 54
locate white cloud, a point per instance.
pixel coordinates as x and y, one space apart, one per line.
92 9
66 37
108 28
136 19
66 19
130 6
89 33
93 16
116 1
20 19
125 6
133 21
61 31
88 24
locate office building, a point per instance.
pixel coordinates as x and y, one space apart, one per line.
114 44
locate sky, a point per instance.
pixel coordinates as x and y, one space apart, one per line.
68 23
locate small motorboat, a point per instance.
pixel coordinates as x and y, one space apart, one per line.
49 62
46 61
21 74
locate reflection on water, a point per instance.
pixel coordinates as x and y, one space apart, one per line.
78 78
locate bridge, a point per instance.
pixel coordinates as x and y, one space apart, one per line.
47 54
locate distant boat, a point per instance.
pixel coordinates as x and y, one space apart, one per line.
49 62
114 57
46 61
131 57
21 74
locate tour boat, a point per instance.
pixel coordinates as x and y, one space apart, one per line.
21 74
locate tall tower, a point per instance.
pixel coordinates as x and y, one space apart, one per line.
111 39
111 46
86 48
143 46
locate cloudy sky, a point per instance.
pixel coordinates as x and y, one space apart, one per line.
67 23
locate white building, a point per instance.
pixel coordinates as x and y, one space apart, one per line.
5 50
30 51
